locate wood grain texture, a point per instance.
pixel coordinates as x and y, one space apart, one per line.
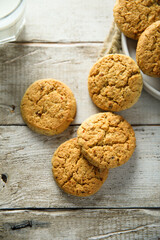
80 224
26 163
74 31
67 21
20 65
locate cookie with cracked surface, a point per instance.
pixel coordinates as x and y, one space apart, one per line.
107 140
148 50
115 82
48 107
134 16
73 173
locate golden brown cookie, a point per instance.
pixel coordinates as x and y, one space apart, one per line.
115 82
107 140
148 50
48 106
73 173
134 16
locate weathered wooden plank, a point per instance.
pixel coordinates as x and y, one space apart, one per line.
20 65
26 163
80 224
65 21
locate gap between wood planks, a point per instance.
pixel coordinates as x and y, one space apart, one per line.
73 125
37 43
77 209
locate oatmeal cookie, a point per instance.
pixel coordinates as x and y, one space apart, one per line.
115 82
134 16
48 107
73 173
148 50
107 140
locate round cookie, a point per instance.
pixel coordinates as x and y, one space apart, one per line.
48 107
107 140
148 50
73 173
134 16
115 82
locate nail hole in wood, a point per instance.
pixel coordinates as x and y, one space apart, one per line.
13 108
4 178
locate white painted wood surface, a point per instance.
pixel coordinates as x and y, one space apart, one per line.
62 39
80 224
26 161
67 20
20 65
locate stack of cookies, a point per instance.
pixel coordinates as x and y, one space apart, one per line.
140 20
81 165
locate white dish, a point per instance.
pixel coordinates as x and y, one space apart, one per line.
151 84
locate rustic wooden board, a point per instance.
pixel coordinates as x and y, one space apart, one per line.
26 161
80 224
67 21
64 45
20 65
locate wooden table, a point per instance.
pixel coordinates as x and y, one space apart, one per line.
61 40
